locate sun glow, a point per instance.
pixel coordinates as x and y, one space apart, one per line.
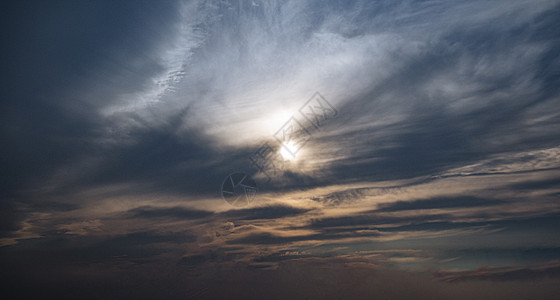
288 150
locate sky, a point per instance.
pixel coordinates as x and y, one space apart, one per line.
393 149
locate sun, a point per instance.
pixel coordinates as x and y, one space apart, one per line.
288 150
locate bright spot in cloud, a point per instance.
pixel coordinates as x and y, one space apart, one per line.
288 150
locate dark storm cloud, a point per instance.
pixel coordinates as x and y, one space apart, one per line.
162 162
166 213
373 219
12 212
53 49
64 250
502 274
451 202
9 218
133 245
271 239
62 61
267 212
212 256
255 213
198 259
537 185
435 222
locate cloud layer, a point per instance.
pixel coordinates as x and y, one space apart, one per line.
121 120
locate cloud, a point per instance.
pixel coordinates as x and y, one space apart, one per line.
458 202
503 274
267 212
121 120
403 111
166 213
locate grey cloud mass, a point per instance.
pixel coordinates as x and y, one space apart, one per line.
120 121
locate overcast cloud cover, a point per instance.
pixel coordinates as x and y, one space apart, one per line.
438 178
